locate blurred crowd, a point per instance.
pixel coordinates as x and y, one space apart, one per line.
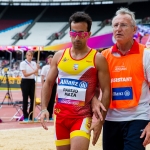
13 69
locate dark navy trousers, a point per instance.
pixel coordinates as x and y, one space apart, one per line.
123 135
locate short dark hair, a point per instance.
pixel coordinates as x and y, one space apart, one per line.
81 17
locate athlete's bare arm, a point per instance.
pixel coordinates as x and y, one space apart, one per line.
104 81
47 87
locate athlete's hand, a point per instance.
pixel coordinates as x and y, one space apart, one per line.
146 134
44 118
97 107
96 127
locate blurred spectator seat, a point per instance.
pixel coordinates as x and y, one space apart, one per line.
40 33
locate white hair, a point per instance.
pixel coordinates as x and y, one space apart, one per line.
124 11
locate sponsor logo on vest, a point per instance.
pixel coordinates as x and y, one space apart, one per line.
83 85
68 82
119 68
121 79
117 93
126 93
73 82
122 93
64 101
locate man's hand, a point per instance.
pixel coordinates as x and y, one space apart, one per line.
97 106
146 134
44 117
96 127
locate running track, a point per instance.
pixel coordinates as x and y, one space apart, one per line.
7 111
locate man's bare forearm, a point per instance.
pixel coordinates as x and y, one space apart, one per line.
105 100
97 92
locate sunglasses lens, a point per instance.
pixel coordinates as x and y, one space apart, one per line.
84 34
80 34
73 34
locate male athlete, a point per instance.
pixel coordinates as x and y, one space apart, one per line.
79 70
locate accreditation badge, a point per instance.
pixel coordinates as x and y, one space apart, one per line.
72 91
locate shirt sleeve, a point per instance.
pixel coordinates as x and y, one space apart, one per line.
147 64
22 66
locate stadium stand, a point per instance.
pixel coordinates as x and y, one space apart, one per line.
49 24
106 29
7 34
40 33
141 9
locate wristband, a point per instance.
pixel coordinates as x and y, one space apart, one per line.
43 110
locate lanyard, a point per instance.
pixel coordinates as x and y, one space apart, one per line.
29 64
